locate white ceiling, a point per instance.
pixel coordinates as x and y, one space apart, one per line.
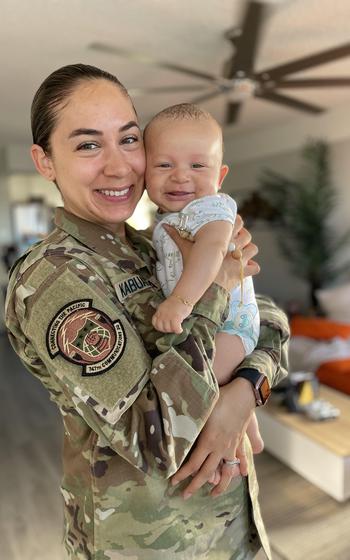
38 36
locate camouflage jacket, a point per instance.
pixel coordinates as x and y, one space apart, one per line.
130 416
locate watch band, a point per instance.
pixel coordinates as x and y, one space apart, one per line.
260 384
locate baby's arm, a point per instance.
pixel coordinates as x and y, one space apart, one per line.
205 259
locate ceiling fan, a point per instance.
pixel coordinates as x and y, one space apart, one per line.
239 80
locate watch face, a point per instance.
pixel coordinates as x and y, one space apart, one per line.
264 390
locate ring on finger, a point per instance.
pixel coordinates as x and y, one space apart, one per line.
232 462
231 247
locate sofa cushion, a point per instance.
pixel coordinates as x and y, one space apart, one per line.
318 328
335 374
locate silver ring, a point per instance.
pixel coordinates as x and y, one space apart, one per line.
231 247
232 463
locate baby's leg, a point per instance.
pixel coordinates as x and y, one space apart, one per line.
254 434
229 354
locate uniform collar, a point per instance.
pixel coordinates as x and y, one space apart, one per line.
105 243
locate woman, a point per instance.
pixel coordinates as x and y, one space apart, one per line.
130 418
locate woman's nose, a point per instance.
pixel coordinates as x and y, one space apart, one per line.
116 163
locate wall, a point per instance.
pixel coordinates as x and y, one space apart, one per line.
23 186
20 182
279 148
5 223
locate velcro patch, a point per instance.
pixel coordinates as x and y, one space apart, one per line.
130 286
86 336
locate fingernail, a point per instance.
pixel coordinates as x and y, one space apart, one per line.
187 496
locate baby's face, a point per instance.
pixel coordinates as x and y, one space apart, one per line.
184 162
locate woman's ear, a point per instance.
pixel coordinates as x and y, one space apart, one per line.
223 172
42 162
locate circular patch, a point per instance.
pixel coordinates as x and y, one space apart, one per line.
86 336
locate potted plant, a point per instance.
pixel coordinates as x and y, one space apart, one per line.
301 208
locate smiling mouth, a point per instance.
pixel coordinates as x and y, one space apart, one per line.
115 193
179 194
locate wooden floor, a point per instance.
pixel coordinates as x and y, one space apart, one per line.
303 523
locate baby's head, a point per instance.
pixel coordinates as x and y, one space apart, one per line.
184 150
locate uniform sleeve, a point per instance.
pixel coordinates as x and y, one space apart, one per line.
270 356
78 339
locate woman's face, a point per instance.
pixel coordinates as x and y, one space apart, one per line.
97 156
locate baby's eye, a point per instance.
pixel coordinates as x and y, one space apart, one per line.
88 146
196 165
164 165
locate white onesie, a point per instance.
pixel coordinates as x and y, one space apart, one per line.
243 320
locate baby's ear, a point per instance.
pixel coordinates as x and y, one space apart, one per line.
223 172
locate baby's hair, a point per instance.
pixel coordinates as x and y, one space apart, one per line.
182 111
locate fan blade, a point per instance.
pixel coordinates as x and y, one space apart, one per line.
232 112
304 63
289 102
164 89
102 47
206 97
247 42
313 82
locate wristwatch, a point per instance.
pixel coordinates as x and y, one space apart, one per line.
260 384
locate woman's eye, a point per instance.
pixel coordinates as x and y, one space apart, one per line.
164 165
130 139
87 146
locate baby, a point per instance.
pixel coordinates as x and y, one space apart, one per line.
184 151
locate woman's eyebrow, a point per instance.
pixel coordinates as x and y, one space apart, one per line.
85 131
128 125
94 132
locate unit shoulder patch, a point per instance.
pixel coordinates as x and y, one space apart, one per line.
86 336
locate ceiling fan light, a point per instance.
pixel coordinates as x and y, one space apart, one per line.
242 88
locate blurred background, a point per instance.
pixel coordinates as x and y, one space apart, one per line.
276 76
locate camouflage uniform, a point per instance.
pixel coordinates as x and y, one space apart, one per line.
130 416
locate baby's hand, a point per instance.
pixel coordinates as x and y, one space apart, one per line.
170 314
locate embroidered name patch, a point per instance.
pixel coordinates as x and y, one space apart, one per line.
86 336
130 286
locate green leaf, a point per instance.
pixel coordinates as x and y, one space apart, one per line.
302 207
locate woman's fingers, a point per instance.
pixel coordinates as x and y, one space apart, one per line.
242 238
228 472
216 476
204 475
249 252
191 466
251 269
237 225
241 455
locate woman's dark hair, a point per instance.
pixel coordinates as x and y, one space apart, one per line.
53 93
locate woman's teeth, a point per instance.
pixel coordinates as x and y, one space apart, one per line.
115 193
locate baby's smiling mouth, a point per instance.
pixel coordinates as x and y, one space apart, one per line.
179 194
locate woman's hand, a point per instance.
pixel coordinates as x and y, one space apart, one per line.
230 273
221 438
